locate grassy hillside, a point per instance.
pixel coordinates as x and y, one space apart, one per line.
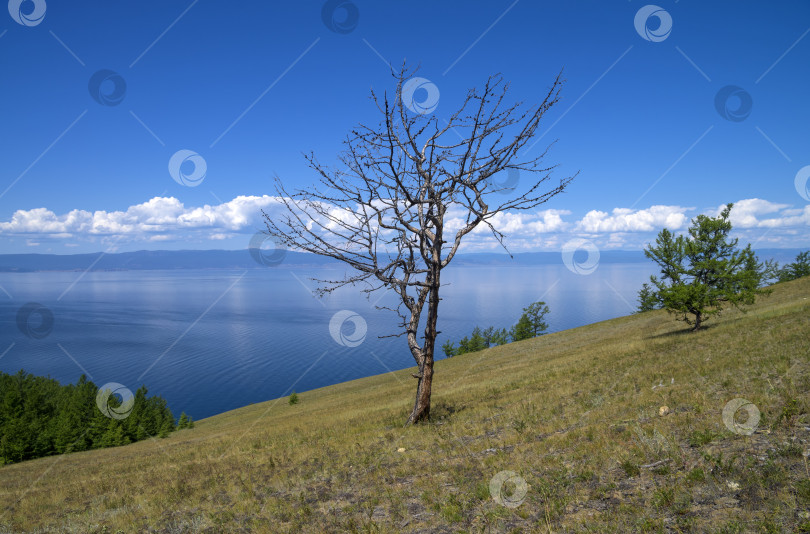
573 414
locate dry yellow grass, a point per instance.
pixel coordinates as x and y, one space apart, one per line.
573 414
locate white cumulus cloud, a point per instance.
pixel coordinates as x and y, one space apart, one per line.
167 218
628 220
759 213
155 219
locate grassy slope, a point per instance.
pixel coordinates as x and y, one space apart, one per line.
573 413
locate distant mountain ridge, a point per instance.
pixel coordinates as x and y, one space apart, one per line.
242 259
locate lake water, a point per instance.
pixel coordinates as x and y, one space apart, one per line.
212 340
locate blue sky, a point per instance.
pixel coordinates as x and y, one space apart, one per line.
250 86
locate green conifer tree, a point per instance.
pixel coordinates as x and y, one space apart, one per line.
705 271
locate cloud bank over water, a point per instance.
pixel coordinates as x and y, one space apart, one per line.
167 219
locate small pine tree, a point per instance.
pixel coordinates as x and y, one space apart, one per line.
495 337
449 349
293 398
114 436
705 271
474 343
463 346
167 427
531 323
648 299
536 313
183 421
522 329
797 269
477 341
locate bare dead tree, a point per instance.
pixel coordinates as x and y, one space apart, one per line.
385 213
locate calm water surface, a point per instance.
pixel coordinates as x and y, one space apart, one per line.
212 340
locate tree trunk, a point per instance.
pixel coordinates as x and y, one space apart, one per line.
698 319
421 406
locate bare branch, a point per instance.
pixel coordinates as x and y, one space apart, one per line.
384 212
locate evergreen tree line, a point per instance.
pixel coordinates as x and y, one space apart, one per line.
40 417
531 324
797 269
705 270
